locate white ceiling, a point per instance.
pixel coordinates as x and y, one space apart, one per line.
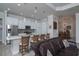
43 10
27 10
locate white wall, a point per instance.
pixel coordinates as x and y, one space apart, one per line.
68 20
53 32
77 27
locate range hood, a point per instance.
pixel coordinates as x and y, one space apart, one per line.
28 29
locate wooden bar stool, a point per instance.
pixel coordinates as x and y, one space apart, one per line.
47 36
42 37
35 38
23 47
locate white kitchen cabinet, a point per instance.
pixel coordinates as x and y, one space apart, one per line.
50 25
21 24
38 28
1 28
28 22
12 21
44 28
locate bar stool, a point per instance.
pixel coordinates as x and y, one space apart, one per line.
42 37
47 36
23 47
35 38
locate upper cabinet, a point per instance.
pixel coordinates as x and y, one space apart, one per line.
1 22
12 21
21 24
1 25
1 19
0 29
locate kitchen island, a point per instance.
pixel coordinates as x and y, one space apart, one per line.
15 42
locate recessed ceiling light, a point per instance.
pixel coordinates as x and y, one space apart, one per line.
8 9
19 4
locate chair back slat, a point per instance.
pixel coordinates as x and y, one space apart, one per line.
42 37
35 38
25 40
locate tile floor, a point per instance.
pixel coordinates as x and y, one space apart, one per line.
5 51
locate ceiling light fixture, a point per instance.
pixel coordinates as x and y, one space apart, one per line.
19 4
35 11
8 9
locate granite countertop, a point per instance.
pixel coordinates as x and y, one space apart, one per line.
16 37
13 37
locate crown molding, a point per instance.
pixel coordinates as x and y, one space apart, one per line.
62 8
